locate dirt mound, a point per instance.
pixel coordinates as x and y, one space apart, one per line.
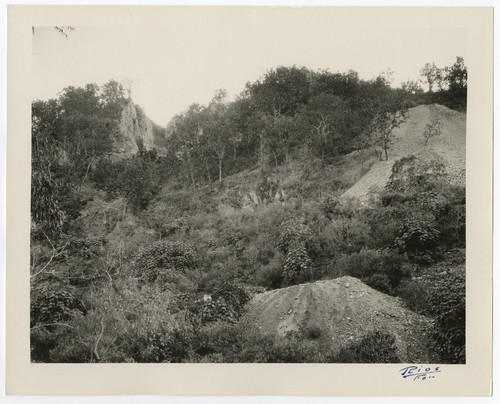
344 309
449 147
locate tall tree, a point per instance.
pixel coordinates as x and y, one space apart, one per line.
217 128
390 113
325 116
431 74
457 75
45 130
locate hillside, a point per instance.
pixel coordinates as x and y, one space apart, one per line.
241 233
449 147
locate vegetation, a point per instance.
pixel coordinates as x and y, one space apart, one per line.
154 257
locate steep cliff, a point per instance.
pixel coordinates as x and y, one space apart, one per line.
135 129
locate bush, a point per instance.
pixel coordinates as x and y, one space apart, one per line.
375 347
415 294
257 348
175 255
298 266
411 174
447 299
52 302
433 129
440 292
292 232
218 342
380 269
418 237
227 304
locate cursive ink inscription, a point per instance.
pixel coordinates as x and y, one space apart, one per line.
419 372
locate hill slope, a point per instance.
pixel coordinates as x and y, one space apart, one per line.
345 309
409 140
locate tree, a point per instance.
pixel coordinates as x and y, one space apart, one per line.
391 112
217 128
185 139
430 72
457 75
411 86
283 91
113 98
325 116
281 133
45 128
86 128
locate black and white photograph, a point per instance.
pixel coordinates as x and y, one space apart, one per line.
247 190
260 201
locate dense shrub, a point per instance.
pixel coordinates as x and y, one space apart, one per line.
227 304
218 342
175 255
329 206
292 348
137 179
411 174
375 347
415 294
440 293
382 270
52 301
418 237
295 238
293 231
298 266
447 302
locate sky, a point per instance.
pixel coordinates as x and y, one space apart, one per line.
187 58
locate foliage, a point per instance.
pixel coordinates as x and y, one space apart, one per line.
293 232
415 293
52 302
375 347
45 208
226 304
433 129
329 206
119 295
137 179
382 270
418 237
298 266
410 174
150 261
294 241
447 302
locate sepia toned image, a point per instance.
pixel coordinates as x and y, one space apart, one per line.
249 197
304 214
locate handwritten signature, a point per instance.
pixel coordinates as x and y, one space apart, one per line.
419 372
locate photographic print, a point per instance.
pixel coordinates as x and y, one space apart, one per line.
314 212
252 185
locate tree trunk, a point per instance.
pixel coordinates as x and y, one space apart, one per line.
191 174
208 172
275 159
220 169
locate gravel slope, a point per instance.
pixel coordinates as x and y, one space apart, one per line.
345 309
409 140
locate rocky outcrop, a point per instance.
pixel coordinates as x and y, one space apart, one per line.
135 129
